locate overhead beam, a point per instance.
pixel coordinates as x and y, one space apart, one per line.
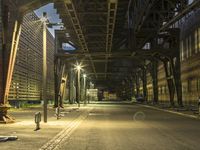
77 27
189 8
111 18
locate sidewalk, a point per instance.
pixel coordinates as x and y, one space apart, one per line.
24 127
187 111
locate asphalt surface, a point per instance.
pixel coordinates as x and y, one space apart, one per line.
104 126
133 127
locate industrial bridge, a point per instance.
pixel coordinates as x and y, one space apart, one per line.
145 51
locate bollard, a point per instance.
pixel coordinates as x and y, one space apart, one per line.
37 120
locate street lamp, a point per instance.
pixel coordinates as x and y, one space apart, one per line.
78 68
45 23
44 20
84 84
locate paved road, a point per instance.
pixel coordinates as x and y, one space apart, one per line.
133 127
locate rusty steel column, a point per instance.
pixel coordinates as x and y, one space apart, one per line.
56 81
1 56
177 79
176 67
137 82
10 29
133 87
144 81
170 82
154 74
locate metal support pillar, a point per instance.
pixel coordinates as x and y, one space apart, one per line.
137 82
128 89
70 87
144 81
176 67
133 87
10 31
170 82
56 81
154 74
173 68
60 81
177 79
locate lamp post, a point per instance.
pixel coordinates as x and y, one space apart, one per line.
78 88
45 23
78 68
84 85
44 68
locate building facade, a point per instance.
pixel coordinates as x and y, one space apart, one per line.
27 77
190 60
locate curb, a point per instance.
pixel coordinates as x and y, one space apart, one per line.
170 111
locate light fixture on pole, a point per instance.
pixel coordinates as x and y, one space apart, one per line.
78 68
44 74
84 84
45 23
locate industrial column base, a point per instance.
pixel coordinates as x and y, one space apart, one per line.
4 117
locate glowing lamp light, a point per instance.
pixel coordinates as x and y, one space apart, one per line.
78 67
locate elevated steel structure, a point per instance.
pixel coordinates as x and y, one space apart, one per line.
138 32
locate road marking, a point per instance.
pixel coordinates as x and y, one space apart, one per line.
170 111
55 142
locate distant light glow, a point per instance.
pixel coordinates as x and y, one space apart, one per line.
84 75
78 66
